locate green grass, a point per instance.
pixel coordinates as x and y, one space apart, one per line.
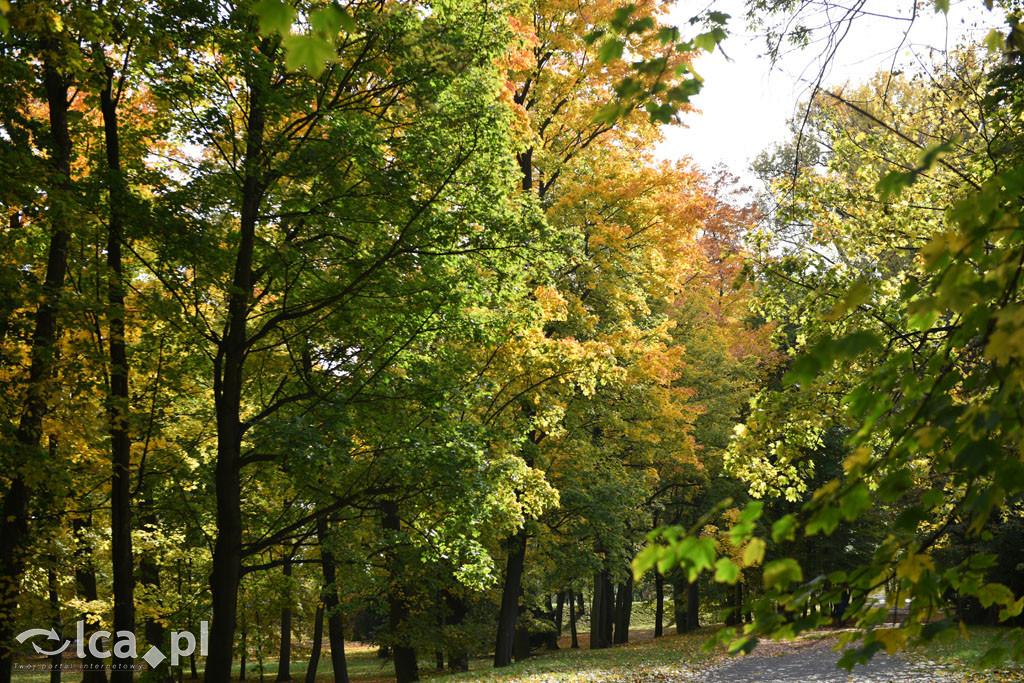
671 657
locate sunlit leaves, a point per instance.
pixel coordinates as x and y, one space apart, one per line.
275 16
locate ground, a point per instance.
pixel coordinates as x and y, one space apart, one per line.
678 659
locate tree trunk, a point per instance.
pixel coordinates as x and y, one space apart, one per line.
94 669
559 612
623 610
608 609
284 659
572 621
458 656
509 612
14 516
679 602
406 666
659 604
118 401
241 664
149 576
318 643
692 606
600 623
57 624
228 382
335 620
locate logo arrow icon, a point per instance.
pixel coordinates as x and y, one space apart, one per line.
50 635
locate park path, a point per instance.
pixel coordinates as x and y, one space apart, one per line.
815 662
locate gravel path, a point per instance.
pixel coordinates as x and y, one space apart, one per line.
815 662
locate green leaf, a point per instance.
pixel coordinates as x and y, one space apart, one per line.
855 501
942 6
784 529
781 573
994 41
826 519
668 34
275 16
856 343
312 52
641 25
805 368
332 20
707 41
609 113
726 571
610 50
697 554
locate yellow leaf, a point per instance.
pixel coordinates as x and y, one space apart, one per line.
892 638
860 457
754 552
913 565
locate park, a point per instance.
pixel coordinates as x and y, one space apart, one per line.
619 341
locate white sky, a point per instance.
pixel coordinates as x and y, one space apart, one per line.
745 103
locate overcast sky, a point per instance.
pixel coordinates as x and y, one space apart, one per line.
745 103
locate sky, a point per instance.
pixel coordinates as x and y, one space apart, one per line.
746 102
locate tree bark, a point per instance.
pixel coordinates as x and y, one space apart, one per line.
559 612
599 617
458 656
57 624
93 668
335 620
318 643
406 666
659 604
118 401
572 621
509 611
14 516
623 610
692 606
608 607
149 576
284 658
228 385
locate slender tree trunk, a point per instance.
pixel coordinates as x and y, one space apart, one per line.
57 624
14 515
623 610
93 668
406 666
284 659
679 602
509 612
608 607
659 604
149 577
318 643
228 383
598 612
241 663
572 621
335 620
118 402
559 612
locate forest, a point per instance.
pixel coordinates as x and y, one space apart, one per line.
383 323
